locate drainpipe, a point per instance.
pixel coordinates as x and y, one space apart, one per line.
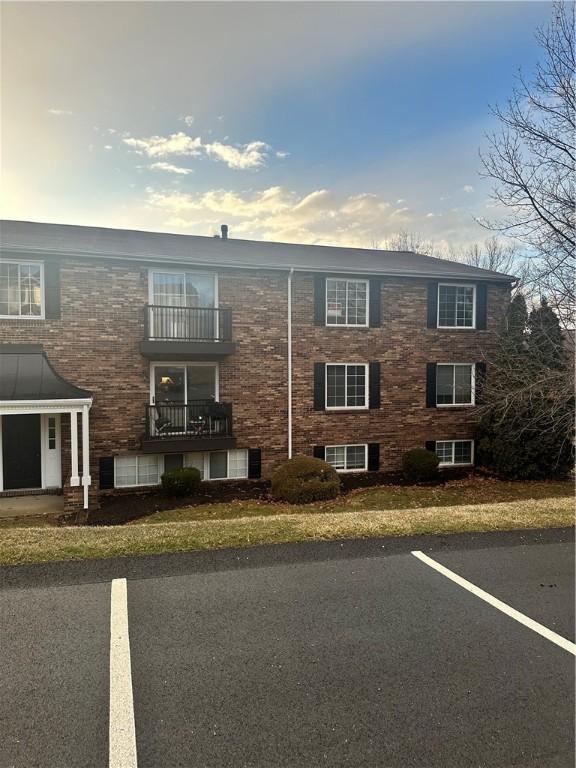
290 362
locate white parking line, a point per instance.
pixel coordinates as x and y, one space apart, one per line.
512 612
122 733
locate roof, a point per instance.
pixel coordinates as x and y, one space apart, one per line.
37 238
26 374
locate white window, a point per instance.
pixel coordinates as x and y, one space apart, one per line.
346 302
137 470
456 306
454 384
219 465
212 465
347 458
21 289
346 386
454 452
182 289
51 433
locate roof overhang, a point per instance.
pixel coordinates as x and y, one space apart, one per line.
20 407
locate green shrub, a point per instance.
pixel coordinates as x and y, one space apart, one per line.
420 466
181 482
304 479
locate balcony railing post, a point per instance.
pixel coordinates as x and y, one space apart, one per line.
199 418
165 323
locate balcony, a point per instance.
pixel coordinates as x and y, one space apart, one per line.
201 425
187 333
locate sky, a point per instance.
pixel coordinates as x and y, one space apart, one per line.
319 122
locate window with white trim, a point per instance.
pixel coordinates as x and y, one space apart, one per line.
219 465
346 302
346 385
137 470
21 289
454 452
347 458
456 306
455 384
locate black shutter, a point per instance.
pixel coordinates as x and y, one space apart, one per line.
52 290
430 445
479 379
319 386
254 463
481 303
432 315
375 320
319 300
430 385
107 472
373 457
374 385
319 452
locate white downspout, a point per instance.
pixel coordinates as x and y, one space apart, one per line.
290 362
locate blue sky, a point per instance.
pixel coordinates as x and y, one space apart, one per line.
306 122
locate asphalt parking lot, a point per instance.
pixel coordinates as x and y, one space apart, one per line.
367 658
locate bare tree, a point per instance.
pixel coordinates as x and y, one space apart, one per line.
407 241
498 256
532 160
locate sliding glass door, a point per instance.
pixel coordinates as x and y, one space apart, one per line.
183 305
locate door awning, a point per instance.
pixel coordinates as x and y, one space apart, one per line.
26 374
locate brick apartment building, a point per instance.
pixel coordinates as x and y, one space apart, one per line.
124 354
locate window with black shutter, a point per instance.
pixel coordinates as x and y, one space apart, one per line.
319 452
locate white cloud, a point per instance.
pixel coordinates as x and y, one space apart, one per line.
237 156
188 119
162 146
320 216
59 112
252 155
169 168
468 189
107 146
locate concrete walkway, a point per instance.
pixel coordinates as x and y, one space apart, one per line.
31 506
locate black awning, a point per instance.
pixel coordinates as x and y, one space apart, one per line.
26 374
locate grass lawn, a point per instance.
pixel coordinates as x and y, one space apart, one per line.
28 545
476 490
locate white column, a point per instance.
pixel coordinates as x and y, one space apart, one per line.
74 479
86 479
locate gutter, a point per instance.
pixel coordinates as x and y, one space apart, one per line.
290 274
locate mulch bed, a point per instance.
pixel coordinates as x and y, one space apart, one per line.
122 507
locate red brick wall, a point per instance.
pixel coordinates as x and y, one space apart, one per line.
95 345
403 345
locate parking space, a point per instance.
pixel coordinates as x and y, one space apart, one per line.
54 677
354 662
538 581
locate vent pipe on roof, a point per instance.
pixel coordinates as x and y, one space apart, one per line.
224 231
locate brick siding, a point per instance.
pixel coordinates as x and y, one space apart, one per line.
95 345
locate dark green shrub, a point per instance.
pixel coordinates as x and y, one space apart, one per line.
181 482
420 466
304 479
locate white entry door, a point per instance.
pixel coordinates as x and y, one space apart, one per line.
51 451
